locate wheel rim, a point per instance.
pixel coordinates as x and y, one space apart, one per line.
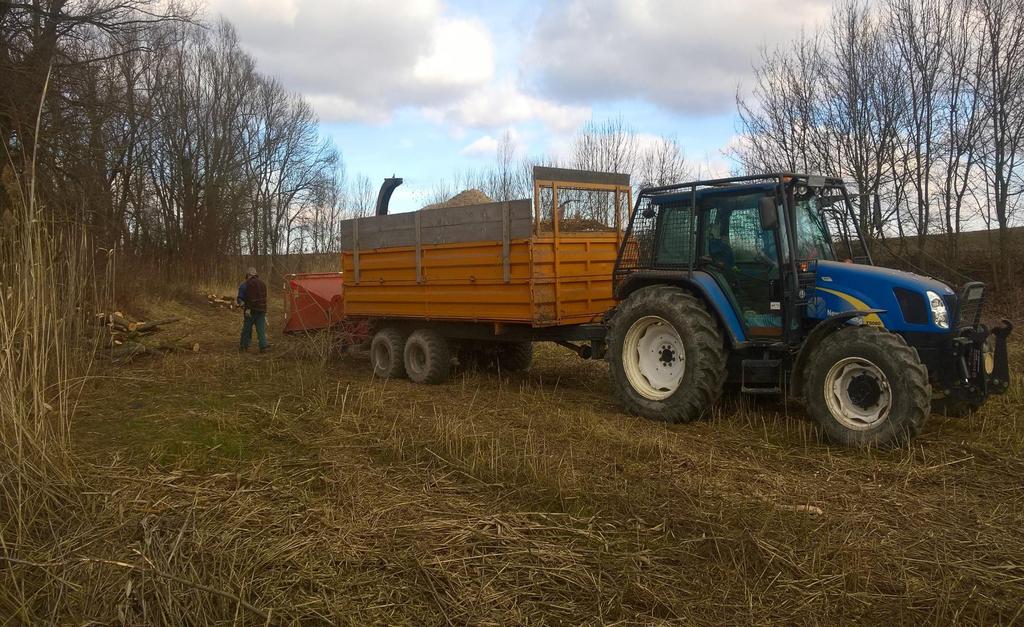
654 358
858 393
417 358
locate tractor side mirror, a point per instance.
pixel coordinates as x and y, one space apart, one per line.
767 213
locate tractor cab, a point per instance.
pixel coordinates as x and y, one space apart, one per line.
758 239
779 264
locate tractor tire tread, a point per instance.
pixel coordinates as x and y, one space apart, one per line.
702 386
906 370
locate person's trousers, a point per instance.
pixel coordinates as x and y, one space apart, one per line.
257 320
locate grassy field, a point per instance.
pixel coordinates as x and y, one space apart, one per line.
292 487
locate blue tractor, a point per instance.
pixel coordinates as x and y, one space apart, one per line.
764 284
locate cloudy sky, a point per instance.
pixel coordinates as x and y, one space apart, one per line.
424 88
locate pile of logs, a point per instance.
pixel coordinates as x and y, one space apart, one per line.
128 338
222 302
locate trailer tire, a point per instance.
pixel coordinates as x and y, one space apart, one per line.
471 358
514 356
428 357
386 353
684 378
866 387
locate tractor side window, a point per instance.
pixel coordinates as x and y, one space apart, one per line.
745 235
744 259
674 236
734 237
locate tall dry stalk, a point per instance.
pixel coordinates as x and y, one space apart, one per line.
46 283
43 344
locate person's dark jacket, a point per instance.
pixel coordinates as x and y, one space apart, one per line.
253 294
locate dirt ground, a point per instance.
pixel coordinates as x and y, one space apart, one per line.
293 487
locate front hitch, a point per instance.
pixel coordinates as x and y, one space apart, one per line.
1000 378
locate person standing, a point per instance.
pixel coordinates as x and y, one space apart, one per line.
252 296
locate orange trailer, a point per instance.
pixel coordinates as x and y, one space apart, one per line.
483 281
545 263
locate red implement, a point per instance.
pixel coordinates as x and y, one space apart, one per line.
313 301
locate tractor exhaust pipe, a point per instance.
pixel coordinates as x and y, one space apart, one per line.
384 195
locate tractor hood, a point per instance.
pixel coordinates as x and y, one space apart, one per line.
846 286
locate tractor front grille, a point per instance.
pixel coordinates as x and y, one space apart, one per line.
969 304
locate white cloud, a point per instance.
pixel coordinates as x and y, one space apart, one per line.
685 56
336 108
462 54
485 146
647 141
501 104
276 11
362 59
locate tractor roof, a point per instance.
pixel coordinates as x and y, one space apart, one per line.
756 182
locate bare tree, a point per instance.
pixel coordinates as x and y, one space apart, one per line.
962 121
779 122
1002 95
919 103
361 197
662 163
858 107
605 146
71 46
919 29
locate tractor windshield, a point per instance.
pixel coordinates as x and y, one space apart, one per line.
812 237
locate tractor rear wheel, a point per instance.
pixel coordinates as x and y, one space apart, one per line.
666 355
867 387
427 357
386 350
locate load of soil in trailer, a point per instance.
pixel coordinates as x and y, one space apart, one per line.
464 198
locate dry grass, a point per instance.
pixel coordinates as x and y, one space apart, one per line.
291 487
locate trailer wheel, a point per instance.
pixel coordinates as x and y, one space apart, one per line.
386 353
867 387
471 358
515 356
427 357
666 355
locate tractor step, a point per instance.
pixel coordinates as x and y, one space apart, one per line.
761 376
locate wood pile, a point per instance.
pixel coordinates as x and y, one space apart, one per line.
222 302
127 338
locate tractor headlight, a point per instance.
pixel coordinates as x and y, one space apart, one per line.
939 312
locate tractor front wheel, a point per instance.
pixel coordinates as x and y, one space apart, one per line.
867 387
666 355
